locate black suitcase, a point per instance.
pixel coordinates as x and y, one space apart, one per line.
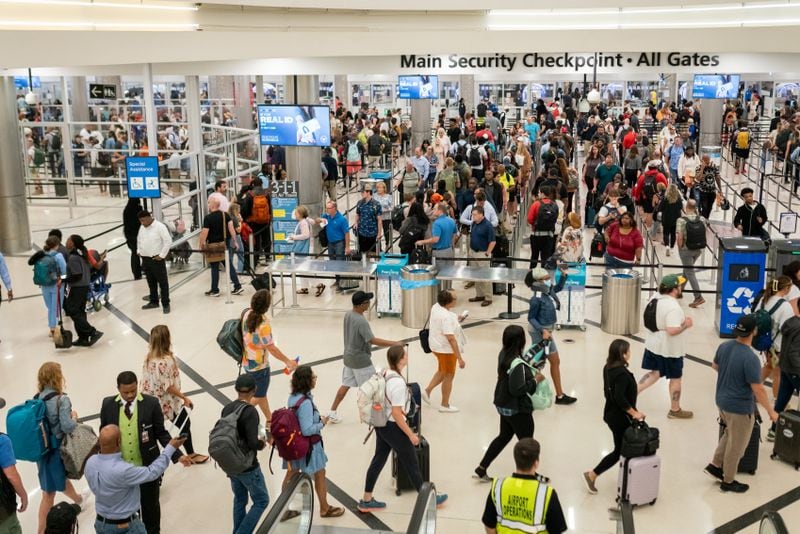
400 478
787 438
497 288
414 415
61 187
749 462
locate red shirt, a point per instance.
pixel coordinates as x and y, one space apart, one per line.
623 247
629 140
533 212
639 188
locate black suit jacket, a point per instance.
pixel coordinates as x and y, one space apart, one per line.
151 425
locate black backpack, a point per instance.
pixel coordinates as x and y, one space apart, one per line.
55 142
392 134
398 217
374 145
475 159
695 233
547 217
650 315
649 189
413 233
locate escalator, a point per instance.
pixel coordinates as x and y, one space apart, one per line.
299 496
772 523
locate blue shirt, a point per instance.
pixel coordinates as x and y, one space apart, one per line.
444 228
674 153
368 212
421 165
115 482
739 367
7 458
336 228
533 130
481 235
4 276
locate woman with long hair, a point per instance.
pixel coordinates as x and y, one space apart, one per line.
671 209
259 344
62 420
414 228
590 163
441 148
512 394
301 244
775 300
161 378
566 172
619 390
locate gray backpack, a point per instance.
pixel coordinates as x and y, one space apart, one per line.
225 445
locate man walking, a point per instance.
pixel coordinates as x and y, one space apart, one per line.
664 348
691 239
358 342
751 217
153 244
481 244
738 386
542 218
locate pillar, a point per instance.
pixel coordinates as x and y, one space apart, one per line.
341 89
466 90
303 163
259 98
15 232
220 91
198 164
151 120
243 109
710 122
420 122
671 80
79 97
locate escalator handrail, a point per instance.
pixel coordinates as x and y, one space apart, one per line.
626 513
286 496
777 522
420 512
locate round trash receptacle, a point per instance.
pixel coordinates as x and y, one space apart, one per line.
621 302
419 286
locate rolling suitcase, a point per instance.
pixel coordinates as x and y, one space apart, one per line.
749 462
787 438
400 479
638 480
414 415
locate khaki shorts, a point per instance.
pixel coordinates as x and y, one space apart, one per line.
353 378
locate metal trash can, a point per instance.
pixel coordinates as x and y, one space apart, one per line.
621 304
419 286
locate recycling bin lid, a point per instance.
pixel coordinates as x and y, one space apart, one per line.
791 246
621 274
419 270
742 244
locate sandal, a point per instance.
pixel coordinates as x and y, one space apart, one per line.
320 290
198 458
289 514
302 291
333 511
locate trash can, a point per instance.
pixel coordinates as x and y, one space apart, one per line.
419 286
622 293
742 264
782 253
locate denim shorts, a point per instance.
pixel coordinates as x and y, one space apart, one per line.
262 378
666 367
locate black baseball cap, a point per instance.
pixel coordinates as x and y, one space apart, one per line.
360 297
745 325
245 383
61 518
2 403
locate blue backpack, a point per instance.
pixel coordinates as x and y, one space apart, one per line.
28 429
45 271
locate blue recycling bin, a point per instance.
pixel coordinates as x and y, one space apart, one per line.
742 262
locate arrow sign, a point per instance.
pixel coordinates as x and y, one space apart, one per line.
98 90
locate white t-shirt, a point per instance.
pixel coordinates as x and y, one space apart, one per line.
606 209
443 322
669 314
794 293
396 392
781 315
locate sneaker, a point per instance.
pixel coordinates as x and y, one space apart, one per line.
680 414
565 400
736 487
476 299
713 471
210 293
480 474
150 306
440 499
771 435
166 310
589 484
371 505
486 303
699 301
94 338
669 252
469 285
448 409
238 291
334 418
426 398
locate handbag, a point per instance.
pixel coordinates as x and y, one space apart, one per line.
543 396
215 252
62 338
424 337
76 448
640 439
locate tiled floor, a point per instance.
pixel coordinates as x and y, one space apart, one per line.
198 499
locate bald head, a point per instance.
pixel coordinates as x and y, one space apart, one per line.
213 204
109 439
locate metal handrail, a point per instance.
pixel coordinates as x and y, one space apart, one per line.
423 518
300 483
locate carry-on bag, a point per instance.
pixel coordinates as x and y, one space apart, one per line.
787 438
749 462
638 480
400 479
640 439
62 338
76 448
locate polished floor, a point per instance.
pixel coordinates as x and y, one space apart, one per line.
574 438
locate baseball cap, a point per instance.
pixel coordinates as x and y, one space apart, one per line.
539 273
244 383
745 325
2 403
671 281
360 297
61 518
652 164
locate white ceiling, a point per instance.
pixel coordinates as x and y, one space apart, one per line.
452 5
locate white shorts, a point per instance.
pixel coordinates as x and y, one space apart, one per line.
353 378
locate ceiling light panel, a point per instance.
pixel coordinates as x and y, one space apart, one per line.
109 5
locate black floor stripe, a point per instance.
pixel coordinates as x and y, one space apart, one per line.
351 504
754 516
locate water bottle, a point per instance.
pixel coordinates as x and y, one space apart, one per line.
286 369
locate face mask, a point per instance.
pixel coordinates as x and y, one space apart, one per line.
546 283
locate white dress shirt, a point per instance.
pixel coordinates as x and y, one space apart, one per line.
154 240
488 212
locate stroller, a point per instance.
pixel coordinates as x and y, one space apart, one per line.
178 255
98 287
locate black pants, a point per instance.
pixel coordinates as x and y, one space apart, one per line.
157 279
151 506
75 308
136 261
669 233
387 233
707 203
520 425
542 246
187 429
262 242
610 459
366 244
387 439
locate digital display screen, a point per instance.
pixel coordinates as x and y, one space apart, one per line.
743 272
418 87
715 86
290 125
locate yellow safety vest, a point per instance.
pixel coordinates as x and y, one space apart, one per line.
521 505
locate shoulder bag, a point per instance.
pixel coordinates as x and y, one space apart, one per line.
215 252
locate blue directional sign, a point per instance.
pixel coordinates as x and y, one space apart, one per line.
143 179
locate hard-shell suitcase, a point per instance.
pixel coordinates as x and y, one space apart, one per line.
638 480
400 478
787 438
414 415
497 288
749 462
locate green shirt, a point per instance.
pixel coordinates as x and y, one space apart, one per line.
129 431
605 175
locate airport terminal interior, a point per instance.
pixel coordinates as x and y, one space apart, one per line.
172 103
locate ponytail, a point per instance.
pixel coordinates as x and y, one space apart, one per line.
259 305
776 285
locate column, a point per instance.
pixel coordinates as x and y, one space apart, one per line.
79 96
243 109
220 91
151 121
303 163
15 232
259 98
420 122
466 89
671 81
341 89
710 122
198 164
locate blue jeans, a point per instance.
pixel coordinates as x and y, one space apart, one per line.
134 527
248 483
336 251
614 263
789 384
238 254
215 268
50 294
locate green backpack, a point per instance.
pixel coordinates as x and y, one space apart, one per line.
38 157
543 397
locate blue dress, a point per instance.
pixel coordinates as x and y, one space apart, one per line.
301 246
310 424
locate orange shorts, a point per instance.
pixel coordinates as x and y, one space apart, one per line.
447 363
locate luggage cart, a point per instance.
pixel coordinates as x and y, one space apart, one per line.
390 296
573 297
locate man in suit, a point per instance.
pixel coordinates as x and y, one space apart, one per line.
141 423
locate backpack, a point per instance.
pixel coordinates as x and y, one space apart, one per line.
231 338
374 145
413 233
573 181
104 158
650 315
372 401
649 188
598 246
764 338
29 430
794 157
55 142
474 157
289 439
397 218
461 148
8 497
260 212
38 157
225 444
743 140
546 218
45 271
695 233
353 154
392 134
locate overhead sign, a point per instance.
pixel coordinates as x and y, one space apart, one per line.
99 90
143 179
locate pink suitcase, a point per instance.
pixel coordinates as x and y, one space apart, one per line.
638 480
